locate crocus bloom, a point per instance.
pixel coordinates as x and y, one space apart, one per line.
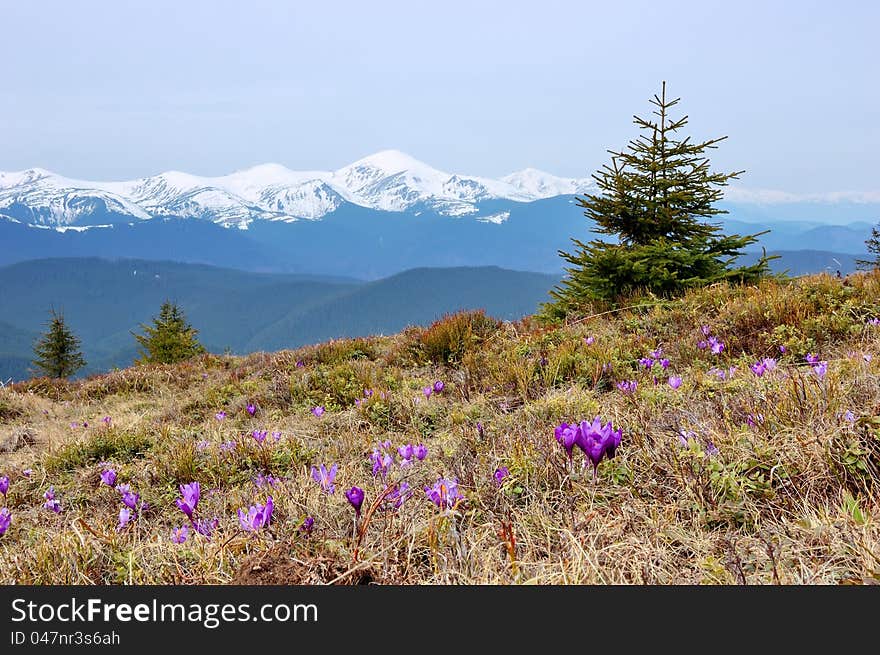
706 330
598 441
202 445
5 520
711 449
656 354
500 473
812 359
444 493
590 340
131 499
675 381
300 363
357 402
108 477
381 462
428 391
627 386
479 429
368 393
251 409
318 411
782 350
51 502
190 498
439 386
220 415
421 451
124 518
179 535
27 472
398 495
4 484
874 321
260 435
716 346
257 516
685 437
567 436
227 446
820 369
325 478
206 527
647 362
664 363
355 496
106 420
307 525
276 436
406 454
849 416
263 480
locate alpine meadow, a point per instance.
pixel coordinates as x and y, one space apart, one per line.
296 295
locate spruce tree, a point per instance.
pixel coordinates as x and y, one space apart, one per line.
653 200
169 339
57 351
873 246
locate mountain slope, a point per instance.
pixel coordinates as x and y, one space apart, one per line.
105 300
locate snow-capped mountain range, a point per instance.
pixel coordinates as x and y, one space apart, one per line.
387 181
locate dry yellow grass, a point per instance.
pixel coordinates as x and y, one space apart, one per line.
791 499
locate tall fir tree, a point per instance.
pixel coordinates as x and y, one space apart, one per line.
653 200
57 351
169 339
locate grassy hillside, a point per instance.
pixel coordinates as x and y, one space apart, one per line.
749 471
105 300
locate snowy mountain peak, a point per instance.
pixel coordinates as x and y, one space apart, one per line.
539 184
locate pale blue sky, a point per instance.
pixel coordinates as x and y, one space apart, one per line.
115 90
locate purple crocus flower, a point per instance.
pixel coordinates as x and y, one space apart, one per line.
263 480
500 473
427 391
220 415
381 462
5 520
368 393
480 432
27 473
4 484
106 420
444 493
355 496
421 451
260 436
227 446
251 409
874 321
325 478
590 340
664 363
124 518
567 436
131 499
398 495
820 369
706 330
685 437
759 368
181 534
657 353
300 363
190 498
849 416
715 346
357 402
598 441
203 445
206 527
276 436
711 449
439 386
627 386
51 503
647 362
702 345
406 453
257 516
307 525
318 411
675 381
782 349
812 359
108 477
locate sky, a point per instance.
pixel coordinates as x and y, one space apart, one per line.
119 90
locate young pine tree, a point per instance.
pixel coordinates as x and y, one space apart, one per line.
653 201
57 351
169 339
873 246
